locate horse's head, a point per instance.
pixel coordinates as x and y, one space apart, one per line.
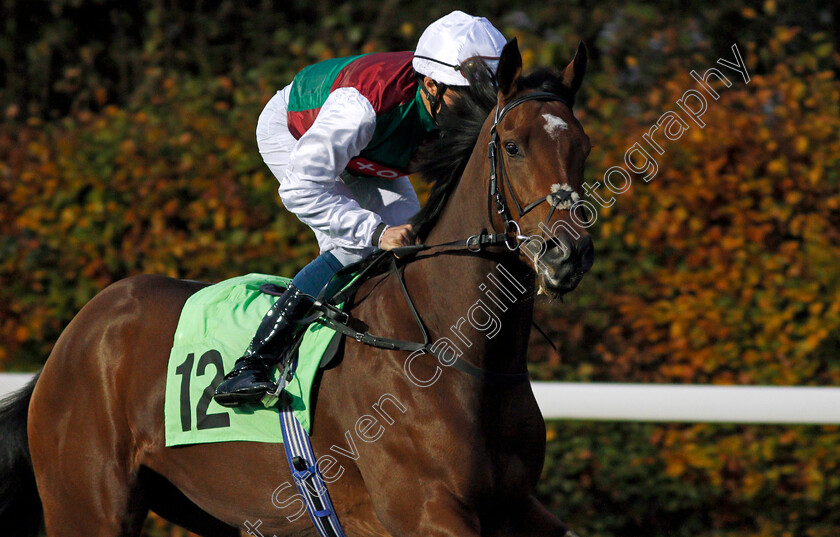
537 171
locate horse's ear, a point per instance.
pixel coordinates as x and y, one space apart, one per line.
509 70
573 73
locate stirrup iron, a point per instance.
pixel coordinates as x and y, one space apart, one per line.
273 396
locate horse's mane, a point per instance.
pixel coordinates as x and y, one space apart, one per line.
442 159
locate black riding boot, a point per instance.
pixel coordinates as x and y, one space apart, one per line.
249 379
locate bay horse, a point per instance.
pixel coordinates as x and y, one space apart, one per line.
416 448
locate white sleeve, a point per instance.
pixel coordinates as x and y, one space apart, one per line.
311 188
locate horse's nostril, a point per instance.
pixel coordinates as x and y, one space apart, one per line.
586 253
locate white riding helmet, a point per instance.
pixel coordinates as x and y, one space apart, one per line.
453 39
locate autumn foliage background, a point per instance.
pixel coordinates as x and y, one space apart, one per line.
127 146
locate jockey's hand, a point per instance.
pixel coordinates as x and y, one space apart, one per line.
396 236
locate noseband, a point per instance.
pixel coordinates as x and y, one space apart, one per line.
496 192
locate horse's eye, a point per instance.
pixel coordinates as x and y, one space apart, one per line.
511 148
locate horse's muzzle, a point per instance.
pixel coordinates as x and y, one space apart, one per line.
564 266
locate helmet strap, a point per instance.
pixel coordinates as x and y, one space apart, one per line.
435 101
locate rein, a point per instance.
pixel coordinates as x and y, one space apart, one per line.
328 314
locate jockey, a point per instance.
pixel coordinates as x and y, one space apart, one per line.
339 139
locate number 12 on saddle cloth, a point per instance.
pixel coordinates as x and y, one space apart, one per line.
215 327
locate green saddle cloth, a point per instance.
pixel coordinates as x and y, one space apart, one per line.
216 326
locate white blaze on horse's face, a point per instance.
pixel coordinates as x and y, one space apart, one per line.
553 125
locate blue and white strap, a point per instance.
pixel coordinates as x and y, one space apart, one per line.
308 480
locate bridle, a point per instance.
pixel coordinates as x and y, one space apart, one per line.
562 197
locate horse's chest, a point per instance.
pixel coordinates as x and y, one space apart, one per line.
507 451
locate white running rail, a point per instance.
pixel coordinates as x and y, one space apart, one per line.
688 403
10 382
659 402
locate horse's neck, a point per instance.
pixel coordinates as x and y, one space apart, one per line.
466 210
489 296
483 306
